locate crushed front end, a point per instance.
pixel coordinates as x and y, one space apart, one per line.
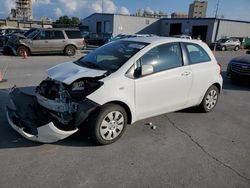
54 113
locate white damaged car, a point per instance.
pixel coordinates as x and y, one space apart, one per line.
115 85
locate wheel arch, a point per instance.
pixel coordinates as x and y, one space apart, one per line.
69 45
126 108
218 86
22 45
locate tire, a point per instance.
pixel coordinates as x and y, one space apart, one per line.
236 48
223 48
21 50
210 99
108 124
70 50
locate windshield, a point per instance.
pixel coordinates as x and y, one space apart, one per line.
33 34
111 56
29 32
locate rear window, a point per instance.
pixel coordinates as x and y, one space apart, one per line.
74 34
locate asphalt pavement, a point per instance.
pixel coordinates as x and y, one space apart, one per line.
187 148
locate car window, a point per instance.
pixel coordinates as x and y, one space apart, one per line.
56 35
50 35
43 35
222 41
196 53
163 57
74 34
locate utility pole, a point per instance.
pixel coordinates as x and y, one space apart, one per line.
102 7
217 8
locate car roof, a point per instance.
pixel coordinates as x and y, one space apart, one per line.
158 39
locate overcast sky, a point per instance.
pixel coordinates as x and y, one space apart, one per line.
231 9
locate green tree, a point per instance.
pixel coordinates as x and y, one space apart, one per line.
75 20
68 21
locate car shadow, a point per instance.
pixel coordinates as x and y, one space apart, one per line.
11 139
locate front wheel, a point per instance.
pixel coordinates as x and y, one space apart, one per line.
210 99
21 50
108 124
223 48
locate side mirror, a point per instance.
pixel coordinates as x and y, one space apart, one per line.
146 70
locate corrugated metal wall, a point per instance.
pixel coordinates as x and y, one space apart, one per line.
93 19
229 28
132 25
122 24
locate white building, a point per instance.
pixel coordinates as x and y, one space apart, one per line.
207 29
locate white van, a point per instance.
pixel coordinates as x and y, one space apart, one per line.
115 85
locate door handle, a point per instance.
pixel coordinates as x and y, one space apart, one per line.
46 41
186 73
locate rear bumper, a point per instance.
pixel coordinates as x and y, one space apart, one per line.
27 118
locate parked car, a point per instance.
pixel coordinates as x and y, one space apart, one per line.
246 43
6 37
97 39
227 44
6 31
47 41
118 84
239 67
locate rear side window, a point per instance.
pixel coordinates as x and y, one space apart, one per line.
196 54
74 34
50 35
57 35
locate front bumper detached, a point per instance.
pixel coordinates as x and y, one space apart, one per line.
30 120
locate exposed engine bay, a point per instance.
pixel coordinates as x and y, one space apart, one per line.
64 102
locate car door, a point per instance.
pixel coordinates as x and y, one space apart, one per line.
167 88
230 44
49 41
41 41
202 69
57 41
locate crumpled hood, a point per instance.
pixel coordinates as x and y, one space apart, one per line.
69 72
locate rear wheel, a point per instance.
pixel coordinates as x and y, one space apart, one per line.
108 124
21 50
70 50
210 99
